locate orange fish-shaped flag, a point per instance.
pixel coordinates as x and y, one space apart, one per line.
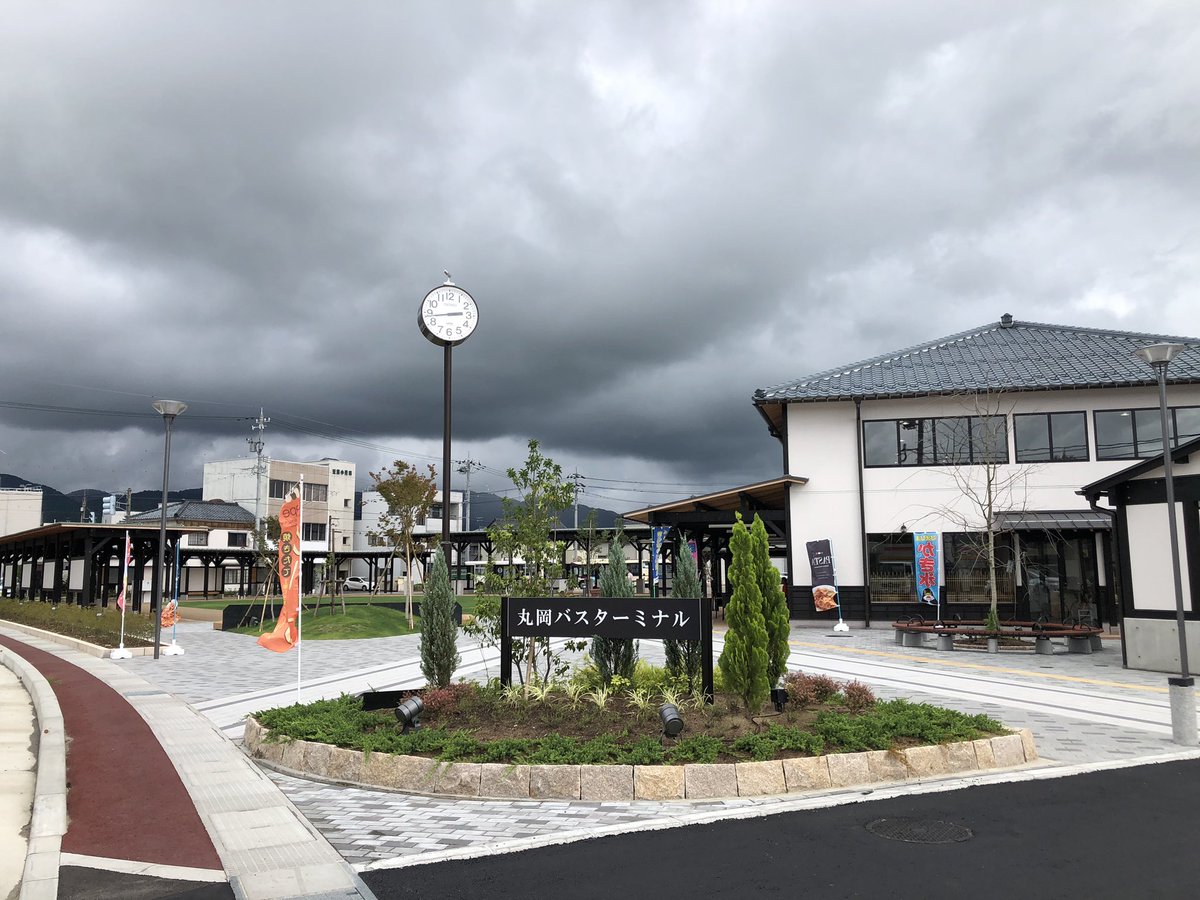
286 632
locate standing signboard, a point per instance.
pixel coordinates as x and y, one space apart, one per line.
824 580
621 618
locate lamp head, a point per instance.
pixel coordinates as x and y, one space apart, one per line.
1158 354
169 409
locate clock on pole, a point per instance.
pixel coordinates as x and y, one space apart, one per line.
447 316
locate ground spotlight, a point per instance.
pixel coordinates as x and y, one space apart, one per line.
408 712
672 721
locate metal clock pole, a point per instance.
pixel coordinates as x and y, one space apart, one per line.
447 316
446 373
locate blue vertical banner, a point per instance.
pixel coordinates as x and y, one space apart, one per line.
925 553
658 534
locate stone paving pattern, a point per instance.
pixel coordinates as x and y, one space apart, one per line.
1081 709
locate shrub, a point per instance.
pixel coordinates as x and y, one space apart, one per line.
743 662
685 659
447 699
775 610
696 748
808 690
858 696
614 656
439 631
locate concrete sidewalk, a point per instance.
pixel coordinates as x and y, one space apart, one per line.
266 848
18 767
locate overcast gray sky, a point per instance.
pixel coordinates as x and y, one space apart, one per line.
658 206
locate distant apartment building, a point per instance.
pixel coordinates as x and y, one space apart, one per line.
328 495
366 527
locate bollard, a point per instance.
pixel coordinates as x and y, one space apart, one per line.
993 645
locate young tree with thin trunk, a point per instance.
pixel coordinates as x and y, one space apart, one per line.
409 495
743 662
526 534
987 486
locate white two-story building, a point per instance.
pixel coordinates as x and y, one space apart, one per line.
911 440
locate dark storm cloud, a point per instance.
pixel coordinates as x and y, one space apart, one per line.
658 207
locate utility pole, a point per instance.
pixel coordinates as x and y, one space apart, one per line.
256 447
128 502
578 480
464 467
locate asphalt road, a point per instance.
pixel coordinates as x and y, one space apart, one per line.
1129 833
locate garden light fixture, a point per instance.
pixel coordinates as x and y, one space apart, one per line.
408 712
672 721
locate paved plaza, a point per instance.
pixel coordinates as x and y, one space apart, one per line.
1085 711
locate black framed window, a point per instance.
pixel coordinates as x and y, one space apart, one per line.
198 539
890 568
1050 437
316 493
238 539
943 441
279 489
312 531
1137 433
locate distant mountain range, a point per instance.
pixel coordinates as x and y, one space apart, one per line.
487 509
75 506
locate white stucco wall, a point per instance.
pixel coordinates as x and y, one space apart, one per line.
20 511
1150 562
823 447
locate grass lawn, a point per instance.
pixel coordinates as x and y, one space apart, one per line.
359 621
468 602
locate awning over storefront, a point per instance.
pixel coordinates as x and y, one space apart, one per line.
720 507
1063 520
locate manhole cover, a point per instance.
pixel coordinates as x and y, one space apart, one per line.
919 831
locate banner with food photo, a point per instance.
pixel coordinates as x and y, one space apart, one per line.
824 580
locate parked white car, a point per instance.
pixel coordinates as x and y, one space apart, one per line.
355 583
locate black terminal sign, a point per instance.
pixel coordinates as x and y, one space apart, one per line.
620 618
606 617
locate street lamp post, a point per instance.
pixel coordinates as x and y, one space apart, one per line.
168 409
1181 689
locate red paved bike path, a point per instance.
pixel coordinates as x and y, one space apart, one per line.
124 799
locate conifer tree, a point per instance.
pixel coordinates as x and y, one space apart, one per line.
439 631
684 658
775 611
743 662
614 656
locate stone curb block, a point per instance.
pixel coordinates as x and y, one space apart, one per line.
760 779
658 782
606 782
49 821
693 781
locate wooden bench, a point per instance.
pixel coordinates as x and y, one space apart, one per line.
910 632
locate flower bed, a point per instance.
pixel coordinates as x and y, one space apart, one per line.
93 625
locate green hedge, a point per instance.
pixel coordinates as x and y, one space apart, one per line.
91 624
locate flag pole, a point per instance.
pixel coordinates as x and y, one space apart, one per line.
121 652
300 592
174 649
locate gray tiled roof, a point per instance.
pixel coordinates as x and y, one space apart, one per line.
1021 356
205 511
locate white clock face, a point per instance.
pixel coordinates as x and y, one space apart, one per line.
448 315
